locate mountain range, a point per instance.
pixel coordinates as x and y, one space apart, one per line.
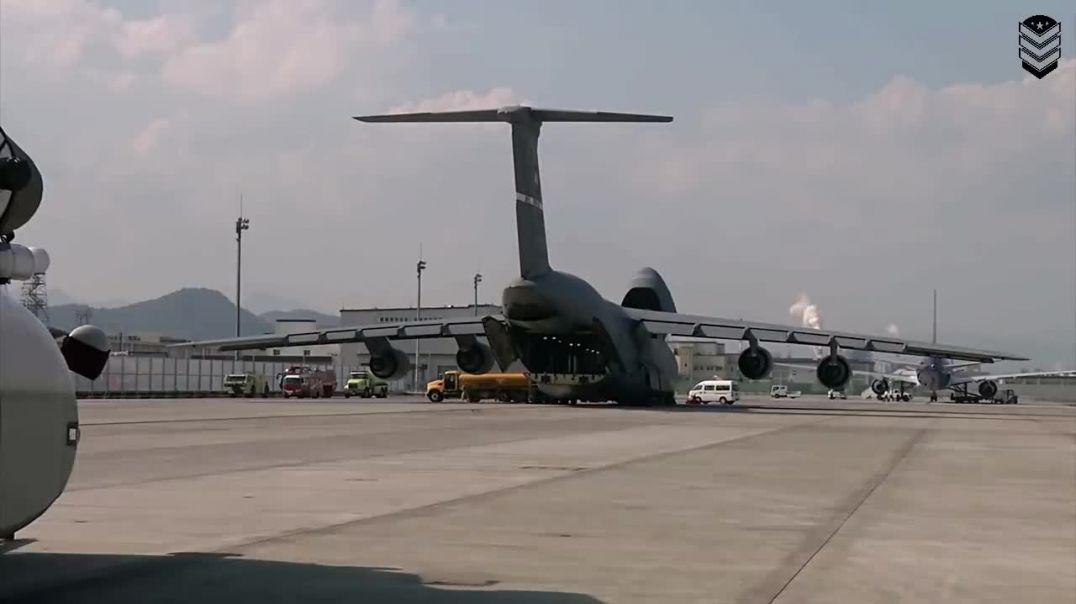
194 313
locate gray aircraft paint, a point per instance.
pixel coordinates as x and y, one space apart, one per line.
37 403
38 410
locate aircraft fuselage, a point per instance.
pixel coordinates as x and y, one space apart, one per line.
560 325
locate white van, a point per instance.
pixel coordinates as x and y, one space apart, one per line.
725 392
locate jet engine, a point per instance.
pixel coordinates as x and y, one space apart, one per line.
86 351
648 291
390 364
22 183
755 363
474 358
988 388
880 387
834 372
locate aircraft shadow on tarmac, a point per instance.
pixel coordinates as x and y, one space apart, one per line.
219 578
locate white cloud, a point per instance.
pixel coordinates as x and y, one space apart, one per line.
149 137
121 82
281 47
56 34
160 34
461 100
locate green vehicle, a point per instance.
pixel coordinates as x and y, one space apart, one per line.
245 384
365 384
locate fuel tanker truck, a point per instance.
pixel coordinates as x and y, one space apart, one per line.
504 387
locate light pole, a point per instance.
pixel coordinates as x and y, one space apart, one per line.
241 224
421 266
477 280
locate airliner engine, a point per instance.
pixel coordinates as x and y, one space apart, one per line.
988 388
755 363
880 387
834 372
475 357
389 364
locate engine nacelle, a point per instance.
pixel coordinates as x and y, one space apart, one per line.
834 372
391 364
648 291
475 358
988 388
880 387
86 351
755 363
22 183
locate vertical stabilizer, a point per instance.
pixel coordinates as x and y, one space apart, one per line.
526 125
530 218
934 323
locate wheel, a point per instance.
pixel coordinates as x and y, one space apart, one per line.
723 401
286 395
347 394
435 396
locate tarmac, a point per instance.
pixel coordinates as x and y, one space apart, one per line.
808 500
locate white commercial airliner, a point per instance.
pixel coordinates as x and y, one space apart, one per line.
936 373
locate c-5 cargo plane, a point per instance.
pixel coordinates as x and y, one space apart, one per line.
577 344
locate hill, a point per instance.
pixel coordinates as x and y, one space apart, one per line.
195 313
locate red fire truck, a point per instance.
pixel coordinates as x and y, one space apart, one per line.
304 382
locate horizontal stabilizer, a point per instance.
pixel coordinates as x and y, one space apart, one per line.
517 113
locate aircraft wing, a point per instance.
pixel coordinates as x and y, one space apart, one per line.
959 379
668 323
892 377
414 330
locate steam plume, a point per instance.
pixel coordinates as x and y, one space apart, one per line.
806 312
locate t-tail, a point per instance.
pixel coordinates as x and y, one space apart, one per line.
526 125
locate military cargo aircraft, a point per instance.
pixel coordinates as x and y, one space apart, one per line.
578 345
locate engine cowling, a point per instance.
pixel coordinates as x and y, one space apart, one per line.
988 388
391 364
19 175
475 358
86 351
755 363
880 387
648 291
834 372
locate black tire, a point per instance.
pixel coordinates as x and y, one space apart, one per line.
435 396
723 401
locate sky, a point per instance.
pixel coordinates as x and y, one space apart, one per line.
861 153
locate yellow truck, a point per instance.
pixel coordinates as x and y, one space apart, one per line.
245 384
504 387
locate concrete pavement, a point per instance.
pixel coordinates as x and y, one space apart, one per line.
802 501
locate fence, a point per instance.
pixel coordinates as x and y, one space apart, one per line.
163 376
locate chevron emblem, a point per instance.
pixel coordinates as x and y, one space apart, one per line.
1040 45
